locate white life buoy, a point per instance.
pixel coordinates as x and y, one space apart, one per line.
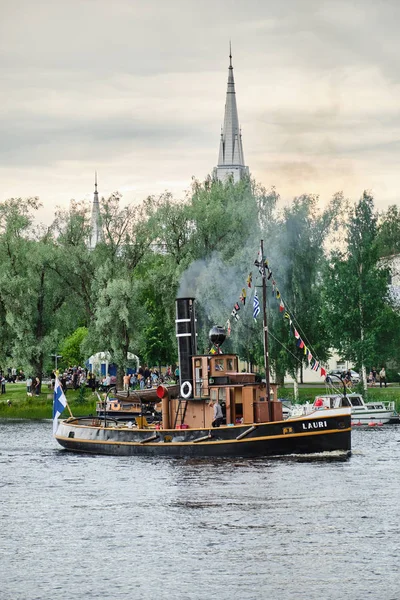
188 386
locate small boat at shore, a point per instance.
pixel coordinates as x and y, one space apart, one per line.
362 412
250 423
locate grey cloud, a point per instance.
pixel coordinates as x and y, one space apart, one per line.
124 82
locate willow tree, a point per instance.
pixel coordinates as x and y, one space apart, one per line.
31 291
128 233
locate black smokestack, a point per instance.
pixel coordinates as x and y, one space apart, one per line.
187 342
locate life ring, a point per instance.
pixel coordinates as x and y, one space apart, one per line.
188 386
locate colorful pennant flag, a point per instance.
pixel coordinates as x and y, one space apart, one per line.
243 296
323 372
309 356
315 366
281 306
228 327
249 279
256 305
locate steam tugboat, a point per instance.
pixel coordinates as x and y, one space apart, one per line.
252 425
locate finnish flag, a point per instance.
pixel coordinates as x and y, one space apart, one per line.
59 403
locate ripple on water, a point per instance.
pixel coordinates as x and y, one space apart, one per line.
122 528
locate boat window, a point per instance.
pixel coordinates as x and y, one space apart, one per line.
197 362
229 364
355 402
222 395
214 394
219 364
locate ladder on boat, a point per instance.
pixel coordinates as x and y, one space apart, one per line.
180 412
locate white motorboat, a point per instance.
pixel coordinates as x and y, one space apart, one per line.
362 413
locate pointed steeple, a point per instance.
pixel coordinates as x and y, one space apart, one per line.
231 158
96 233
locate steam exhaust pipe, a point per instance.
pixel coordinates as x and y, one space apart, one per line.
187 343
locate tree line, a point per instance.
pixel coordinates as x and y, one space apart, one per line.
57 296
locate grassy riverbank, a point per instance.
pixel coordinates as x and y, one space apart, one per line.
84 403
41 407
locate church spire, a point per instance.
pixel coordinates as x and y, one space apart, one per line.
96 233
231 158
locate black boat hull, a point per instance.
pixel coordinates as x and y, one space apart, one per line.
298 436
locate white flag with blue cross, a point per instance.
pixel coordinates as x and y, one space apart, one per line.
59 403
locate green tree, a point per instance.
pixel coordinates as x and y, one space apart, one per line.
225 216
128 234
388 233
71 347
32 293
296 249
360 319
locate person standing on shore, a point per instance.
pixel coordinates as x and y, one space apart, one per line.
382 377
37 386
126 380
29 385
3 384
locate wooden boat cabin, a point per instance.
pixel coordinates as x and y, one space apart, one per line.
204 379
242 398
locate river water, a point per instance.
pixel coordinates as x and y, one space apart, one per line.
81 526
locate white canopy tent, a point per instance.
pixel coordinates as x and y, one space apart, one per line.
100 362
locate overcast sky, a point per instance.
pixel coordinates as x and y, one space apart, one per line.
136 91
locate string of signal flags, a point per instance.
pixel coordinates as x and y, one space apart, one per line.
262 265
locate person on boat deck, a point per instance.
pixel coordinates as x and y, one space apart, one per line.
218 415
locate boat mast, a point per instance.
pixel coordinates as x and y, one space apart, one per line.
265 327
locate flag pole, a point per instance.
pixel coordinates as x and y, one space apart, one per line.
265 328
69 410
